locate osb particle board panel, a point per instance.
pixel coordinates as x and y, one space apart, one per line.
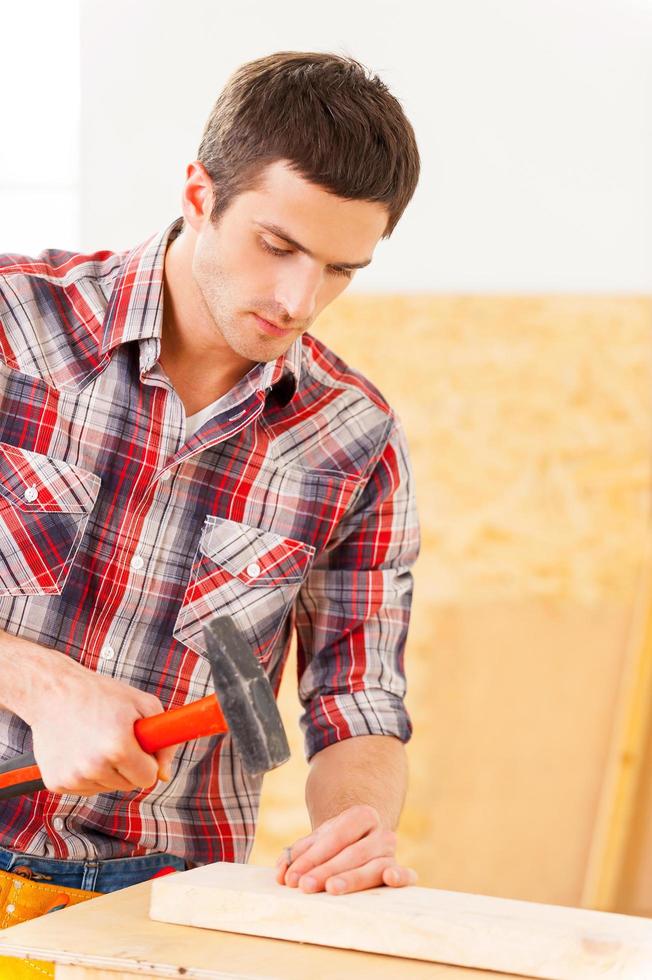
530 430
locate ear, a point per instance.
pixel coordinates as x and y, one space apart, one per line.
197 195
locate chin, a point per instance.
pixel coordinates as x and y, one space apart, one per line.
258 350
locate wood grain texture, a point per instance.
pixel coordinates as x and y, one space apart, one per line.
543 941
530 427
364 971
67 972
114 936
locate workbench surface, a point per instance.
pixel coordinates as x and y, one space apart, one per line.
114 933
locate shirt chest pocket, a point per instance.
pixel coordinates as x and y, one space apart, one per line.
251 575
45 504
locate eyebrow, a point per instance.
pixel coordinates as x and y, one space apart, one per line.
281 233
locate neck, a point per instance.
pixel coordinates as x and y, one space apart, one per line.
194 355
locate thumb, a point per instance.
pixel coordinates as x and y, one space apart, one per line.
164 758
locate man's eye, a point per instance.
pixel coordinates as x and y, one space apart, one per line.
274 251
285 251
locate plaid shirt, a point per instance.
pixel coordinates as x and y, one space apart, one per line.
290 508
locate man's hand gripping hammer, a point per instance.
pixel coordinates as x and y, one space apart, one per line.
243 704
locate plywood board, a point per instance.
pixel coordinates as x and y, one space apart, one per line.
544 941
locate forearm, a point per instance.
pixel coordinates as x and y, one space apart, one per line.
367 769
26 672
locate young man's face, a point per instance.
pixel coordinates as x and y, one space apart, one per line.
244 270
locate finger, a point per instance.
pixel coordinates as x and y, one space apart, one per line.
114 781
350 826
164 759
106 782
77 789
138 767
281 869
370 875
117 782
297 849
332 836
380 844
398 877
123 777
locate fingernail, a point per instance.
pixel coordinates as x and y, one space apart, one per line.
308 883
337 885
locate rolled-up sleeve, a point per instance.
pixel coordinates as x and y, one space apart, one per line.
353 611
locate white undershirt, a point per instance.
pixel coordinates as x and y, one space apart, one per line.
194 422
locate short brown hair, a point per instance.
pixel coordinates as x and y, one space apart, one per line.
335 122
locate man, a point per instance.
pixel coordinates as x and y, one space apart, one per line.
176 446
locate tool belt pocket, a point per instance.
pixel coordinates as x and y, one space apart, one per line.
22 898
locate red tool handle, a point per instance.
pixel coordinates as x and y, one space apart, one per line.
180 724
22 775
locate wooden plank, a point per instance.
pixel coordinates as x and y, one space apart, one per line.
435 973
544 941
113 936
90 973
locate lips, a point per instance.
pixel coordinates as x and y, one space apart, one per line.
268 327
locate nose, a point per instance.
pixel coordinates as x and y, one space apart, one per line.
297 293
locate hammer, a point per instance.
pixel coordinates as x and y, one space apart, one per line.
246 708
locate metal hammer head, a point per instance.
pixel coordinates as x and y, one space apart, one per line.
245 697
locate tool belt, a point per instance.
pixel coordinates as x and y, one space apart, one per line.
23 897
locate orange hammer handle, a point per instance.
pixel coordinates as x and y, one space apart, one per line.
21 774
178 725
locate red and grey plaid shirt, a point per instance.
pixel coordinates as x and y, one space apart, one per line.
292 507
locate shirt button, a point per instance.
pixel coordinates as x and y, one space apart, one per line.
11 908
165 475
107 653
137 562
57 823
253 570
31 494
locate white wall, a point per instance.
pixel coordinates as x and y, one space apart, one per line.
534 119
39 144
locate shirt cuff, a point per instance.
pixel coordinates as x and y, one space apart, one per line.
334 717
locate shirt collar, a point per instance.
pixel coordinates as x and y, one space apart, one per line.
135 312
